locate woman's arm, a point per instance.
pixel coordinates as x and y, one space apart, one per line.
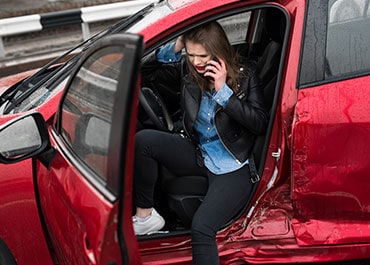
162 68
247 106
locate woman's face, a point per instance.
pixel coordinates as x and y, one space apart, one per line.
198 56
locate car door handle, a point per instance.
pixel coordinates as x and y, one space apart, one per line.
88 250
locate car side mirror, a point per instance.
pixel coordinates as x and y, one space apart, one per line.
23 137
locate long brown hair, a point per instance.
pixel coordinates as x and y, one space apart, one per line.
213 38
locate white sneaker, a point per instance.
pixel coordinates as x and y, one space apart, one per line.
154 223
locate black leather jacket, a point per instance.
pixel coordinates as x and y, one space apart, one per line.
237 124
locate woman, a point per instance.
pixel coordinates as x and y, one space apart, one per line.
222 114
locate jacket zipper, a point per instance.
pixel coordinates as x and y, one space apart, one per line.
214 117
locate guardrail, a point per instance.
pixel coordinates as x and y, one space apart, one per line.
83 16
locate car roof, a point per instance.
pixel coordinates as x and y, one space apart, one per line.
182 12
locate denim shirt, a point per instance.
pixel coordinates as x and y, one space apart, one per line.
166 54
217 158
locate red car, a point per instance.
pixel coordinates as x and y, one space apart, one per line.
70 127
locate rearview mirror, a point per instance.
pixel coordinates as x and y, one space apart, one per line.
22 138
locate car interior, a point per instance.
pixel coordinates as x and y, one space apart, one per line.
261 44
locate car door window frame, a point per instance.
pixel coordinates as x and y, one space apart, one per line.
122 111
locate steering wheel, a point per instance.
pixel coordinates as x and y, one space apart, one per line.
156 110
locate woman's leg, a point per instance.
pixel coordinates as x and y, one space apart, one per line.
176 153
227 194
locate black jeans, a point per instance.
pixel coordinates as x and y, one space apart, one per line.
227 193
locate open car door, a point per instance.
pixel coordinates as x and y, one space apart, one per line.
81 187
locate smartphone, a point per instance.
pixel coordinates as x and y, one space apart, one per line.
214 58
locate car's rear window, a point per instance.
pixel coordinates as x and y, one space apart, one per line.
336 42
348 37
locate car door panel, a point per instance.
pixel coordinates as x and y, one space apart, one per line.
72 206
80 187
331 139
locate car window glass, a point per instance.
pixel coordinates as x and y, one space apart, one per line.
236 27
88 108
342 10
348 38
336 41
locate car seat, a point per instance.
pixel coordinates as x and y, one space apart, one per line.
268 62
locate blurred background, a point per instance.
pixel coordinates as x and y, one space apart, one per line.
26 50
13 8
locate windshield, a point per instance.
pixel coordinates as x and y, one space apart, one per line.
161 9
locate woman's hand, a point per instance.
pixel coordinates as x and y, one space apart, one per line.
217 71
179 44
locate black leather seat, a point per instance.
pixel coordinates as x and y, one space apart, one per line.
184 193
268 63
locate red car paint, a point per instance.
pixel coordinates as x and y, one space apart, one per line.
311 203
